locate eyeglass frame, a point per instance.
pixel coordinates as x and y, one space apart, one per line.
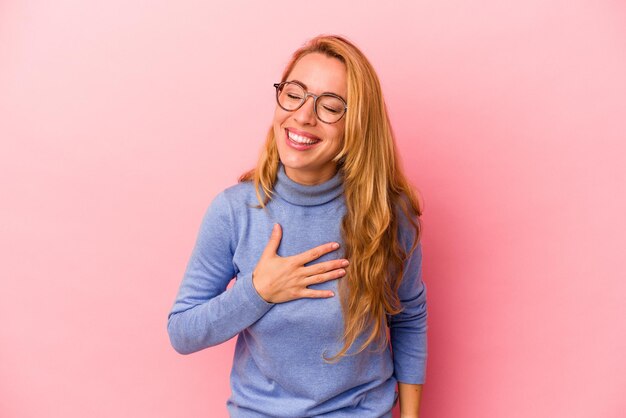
315 97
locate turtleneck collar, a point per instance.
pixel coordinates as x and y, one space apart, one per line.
301 195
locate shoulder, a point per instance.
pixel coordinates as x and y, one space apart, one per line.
409 225
229 203
226 211
235 197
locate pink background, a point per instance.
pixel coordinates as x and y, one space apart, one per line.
120 120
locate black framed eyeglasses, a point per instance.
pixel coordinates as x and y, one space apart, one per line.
328 107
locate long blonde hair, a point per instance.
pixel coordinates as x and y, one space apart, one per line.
374 188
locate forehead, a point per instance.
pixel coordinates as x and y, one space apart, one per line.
321 74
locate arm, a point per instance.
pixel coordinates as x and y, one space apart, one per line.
409 396
205 313
408 336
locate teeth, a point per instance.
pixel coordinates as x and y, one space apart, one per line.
301 139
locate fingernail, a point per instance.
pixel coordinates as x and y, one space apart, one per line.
335 245
344 263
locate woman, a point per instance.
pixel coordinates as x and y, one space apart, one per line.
312 306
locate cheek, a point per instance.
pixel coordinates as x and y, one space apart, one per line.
279 117
276 123
338 138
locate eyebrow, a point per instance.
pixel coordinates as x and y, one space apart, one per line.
299 82
307 89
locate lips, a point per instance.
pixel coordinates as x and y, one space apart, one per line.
301 140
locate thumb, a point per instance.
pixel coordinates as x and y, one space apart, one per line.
274 242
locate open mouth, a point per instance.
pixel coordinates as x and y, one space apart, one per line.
301 140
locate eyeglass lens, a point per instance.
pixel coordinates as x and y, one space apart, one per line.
329 109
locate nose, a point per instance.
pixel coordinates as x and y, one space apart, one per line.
305 115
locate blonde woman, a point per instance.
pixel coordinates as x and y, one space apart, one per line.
322 237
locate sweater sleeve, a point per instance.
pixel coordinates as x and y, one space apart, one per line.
408 328
205 312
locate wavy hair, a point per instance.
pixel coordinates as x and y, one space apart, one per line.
375 187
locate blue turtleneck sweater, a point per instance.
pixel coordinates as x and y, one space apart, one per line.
279 368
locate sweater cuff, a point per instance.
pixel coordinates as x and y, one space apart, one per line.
251 294
417 377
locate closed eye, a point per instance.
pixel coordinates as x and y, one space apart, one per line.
332 109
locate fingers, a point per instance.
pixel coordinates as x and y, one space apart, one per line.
325 277
274 242
315 253
281 279
317 294
321 268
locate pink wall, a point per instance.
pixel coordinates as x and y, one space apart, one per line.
120 120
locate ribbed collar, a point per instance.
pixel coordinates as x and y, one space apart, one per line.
301 195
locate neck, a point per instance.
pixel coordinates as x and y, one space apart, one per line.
307 195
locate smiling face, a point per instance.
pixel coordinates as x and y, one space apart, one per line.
306 145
